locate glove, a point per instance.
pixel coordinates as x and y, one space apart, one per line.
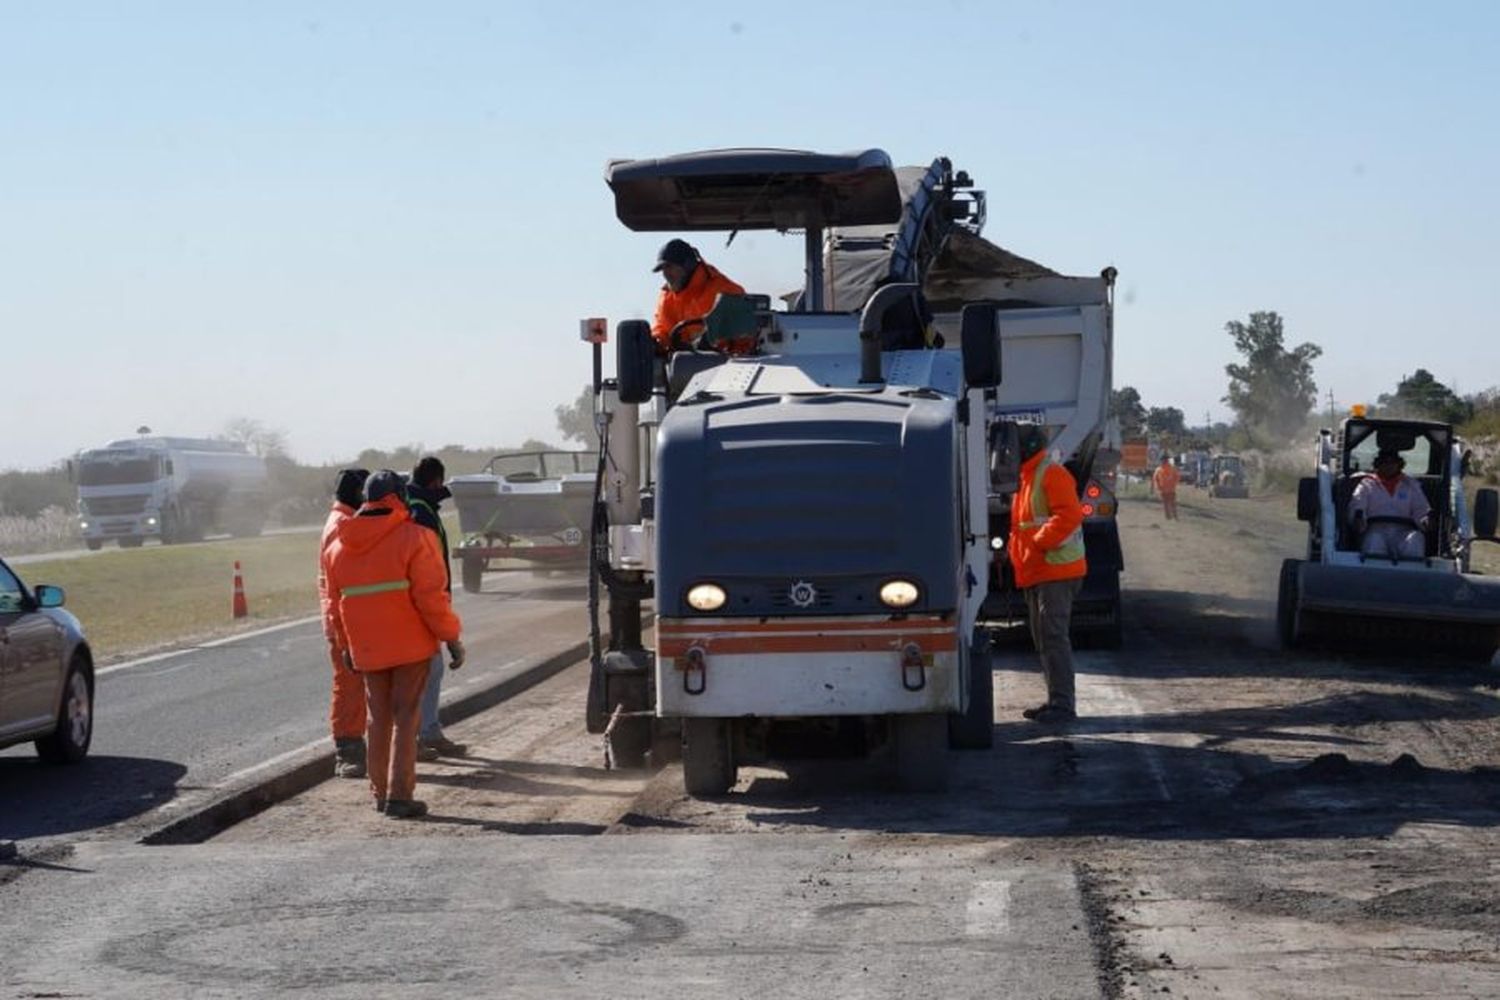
456 653
348 659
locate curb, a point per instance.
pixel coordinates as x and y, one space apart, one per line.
313 765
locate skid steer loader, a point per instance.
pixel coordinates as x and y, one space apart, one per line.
1432 602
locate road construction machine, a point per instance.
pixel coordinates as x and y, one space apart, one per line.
810 519
1226 477
1432 601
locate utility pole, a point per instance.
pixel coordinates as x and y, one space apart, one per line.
1331 416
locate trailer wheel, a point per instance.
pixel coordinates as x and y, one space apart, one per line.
473 574
920 752
1286 604
93 544
975 728
707 757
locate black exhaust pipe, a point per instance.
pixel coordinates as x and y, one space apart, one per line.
869 328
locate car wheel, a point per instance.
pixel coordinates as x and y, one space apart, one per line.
69 742
93 544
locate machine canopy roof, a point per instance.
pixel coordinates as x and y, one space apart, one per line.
727 189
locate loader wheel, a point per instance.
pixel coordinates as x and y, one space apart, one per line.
473 574
975 728
707 757
1286 605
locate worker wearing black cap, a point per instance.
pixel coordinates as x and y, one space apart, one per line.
346 709
1389 512
690 285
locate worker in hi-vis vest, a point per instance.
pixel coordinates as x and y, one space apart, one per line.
1046 552
390 609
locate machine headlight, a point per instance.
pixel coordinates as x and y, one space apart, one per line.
899 594
706 597
151 521
84 525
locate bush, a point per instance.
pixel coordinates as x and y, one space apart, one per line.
52 529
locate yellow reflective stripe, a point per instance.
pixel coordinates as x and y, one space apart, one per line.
375 588
1071 550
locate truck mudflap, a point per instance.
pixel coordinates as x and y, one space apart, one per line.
789 667
1415 594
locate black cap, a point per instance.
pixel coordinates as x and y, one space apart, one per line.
1030 438
349 487
383 483
679 252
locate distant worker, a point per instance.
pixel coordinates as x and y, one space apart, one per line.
425 494
390 612
1390 493
346 711
1164 481
1046 553
690 286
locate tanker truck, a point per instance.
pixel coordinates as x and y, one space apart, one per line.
170 488
811 518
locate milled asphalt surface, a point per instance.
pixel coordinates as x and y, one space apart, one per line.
191 721
710 916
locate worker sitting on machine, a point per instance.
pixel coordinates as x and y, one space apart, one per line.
690 286
1389 511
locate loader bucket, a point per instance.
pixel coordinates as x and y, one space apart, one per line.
1443 610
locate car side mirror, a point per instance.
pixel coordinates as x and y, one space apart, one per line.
980 339
1308 503
635 361
48 596
1486 513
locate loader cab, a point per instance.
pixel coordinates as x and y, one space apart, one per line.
1425 447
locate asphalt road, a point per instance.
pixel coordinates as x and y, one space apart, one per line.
191 720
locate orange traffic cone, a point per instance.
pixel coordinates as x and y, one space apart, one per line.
238 608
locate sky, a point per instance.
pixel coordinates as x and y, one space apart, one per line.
375 224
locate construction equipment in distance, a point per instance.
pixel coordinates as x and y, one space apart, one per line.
1226 477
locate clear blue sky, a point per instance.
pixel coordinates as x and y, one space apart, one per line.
377 223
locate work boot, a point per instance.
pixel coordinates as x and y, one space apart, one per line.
441 746
405 808
349 757
426 753
380 805
1053 714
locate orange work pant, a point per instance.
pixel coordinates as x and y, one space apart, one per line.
1169 504
346 710
395 698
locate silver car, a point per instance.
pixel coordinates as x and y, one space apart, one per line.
46 673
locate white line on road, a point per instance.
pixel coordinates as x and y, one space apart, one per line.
988 912
227 640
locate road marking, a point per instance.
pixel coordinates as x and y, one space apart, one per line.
214 644
1105 697
988 912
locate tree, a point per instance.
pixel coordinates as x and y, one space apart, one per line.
576 419
1166 421
267 442
1125 406
1273 389
1423 396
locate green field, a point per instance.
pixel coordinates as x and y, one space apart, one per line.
136 600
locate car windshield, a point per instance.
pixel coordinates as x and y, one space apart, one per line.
12 594
539 465
99 472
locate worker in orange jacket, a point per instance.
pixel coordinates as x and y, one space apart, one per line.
1046 553
390 610
690 286
346 709
1164 482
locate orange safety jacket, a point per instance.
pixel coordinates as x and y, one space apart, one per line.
337 514
695 300
1046 524
1165 478
386 587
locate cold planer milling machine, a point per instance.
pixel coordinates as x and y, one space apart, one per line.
810 519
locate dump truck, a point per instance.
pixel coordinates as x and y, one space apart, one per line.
1433 602
171 488
811 519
